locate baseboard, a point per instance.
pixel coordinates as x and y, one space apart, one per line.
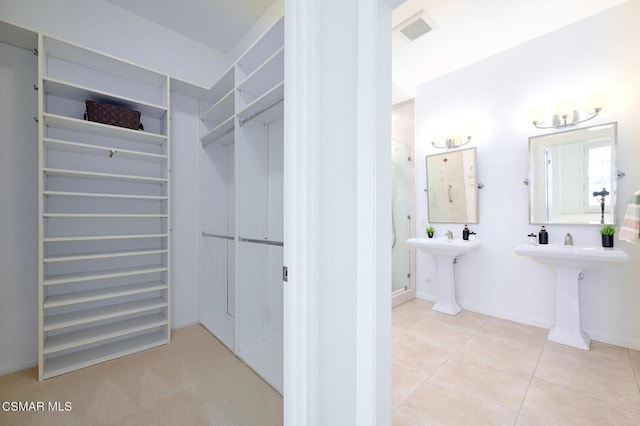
400 298
17 366
184 323
506 315
423 295
612 340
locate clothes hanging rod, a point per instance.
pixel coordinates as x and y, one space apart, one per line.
224 237
267 242
254 115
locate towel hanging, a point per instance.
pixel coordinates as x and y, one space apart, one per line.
630 229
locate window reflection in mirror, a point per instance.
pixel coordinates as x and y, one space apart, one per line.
452 187
572 176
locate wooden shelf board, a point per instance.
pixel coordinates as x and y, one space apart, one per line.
90 127
265 76
102 216
90 335
103 255
112 152
102 294
102 275
218 132
221 110
101 195
72 319
78 93
267 108
96 355
101 237
99 175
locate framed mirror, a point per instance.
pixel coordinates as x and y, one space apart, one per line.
452 187
572 176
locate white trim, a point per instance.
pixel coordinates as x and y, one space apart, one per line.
17 366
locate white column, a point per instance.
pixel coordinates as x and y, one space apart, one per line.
337 212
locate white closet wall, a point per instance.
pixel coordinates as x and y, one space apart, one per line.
104 207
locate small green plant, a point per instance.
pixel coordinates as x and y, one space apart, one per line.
430 231
608 230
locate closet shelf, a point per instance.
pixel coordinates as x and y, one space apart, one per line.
90 335
270 41
106 151
93 128
99 175
80 238
221 110
104 255
61 364
266 109
221 88
218 133
102 275
73 319
102 216
102 63
78 93
101 195
75 298
265 77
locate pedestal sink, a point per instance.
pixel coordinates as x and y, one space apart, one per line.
444 251
568 262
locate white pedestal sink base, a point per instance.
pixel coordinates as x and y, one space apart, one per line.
568 329
446 302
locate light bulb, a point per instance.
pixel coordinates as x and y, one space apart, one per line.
565 109
535 116
597 102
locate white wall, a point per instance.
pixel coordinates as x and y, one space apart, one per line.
496 94
100 25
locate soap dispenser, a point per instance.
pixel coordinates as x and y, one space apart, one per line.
465 233
543 236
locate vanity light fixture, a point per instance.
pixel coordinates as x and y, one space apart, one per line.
567 115
452 142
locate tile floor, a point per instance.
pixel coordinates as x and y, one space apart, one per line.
472 369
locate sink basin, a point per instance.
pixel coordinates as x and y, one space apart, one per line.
568 263
445 252
442 246
583 258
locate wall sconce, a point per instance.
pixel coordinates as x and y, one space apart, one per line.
567 115
452 142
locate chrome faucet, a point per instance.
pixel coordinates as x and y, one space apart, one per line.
568 240
449 234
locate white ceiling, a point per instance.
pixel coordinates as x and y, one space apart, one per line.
216 23
467 31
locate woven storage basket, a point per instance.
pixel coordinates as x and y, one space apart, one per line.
113 115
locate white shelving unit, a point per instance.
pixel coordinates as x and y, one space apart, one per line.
104 210
241 169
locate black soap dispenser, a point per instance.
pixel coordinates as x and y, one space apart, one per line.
543 236
465 233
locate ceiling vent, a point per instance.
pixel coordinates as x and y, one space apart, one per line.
414 27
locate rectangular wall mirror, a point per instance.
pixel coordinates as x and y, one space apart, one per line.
452 187
572 176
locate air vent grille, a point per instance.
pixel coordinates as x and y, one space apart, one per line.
416 29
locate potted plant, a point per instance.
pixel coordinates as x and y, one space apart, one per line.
607 233
430 231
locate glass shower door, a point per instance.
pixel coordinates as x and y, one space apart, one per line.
402 175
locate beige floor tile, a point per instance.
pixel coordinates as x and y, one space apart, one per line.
635 361
466 319
436 333
612 387
405 380
514 332
412 311
549 404
501 353
505 387
418 354
441 403
608 358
